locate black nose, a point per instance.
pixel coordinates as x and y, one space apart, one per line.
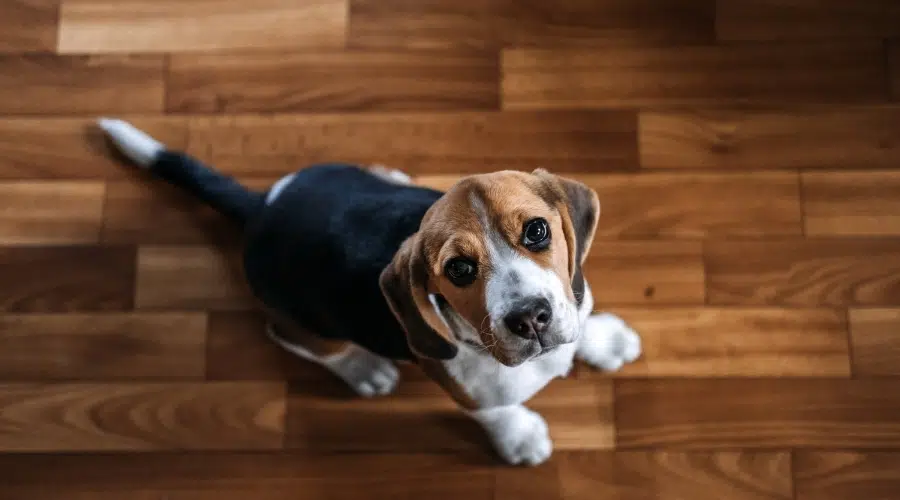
530 318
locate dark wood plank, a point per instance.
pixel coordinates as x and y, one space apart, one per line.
73 148
28 25
844 475
102 346
59 85
851 203
738 342
50 212
66 278
457 143
190 277
710 75
762 413
105 26
146 416
846 137
875 335
422 24
333 81
894 68
806 19
244 475
833 272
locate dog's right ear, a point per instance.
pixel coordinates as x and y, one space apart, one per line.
403 283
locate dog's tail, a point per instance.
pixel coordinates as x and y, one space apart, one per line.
220 191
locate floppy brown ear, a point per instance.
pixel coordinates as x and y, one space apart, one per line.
403 285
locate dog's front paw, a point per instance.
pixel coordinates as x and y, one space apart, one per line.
366 373
519 435
608 343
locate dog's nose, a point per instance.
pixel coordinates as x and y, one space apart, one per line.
529 319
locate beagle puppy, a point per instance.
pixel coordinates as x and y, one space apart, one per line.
481 285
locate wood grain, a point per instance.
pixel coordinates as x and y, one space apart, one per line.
846 137
851 203
840 475
113 346
50 212
875 335
190 277
762 413
458 143
333 81
66 279
833 272
805 19
106 26
237 476
123 417
420 416
894 68
28 25
73 148
738 342
639 475
45 84
710 75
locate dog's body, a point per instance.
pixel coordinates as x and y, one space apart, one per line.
358 268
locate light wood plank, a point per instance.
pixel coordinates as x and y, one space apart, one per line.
457 143
806 19
102 346
28 25
333 81
50 212
839 475
709 75
108 26
817 272
62 85
147 416
875 335
190 277
61 279
851 203
762 413
738 342
847 137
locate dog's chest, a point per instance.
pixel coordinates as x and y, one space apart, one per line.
489 383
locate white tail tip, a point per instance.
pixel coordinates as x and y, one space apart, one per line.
132 142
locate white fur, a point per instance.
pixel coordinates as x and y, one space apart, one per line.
390 174
278 187
518 434
608 343
133 143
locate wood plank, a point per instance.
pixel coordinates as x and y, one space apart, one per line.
762 413
640 475
894 68
851 203
420 416
738 342
738 20
709 75
98 347
847 137
841 475
333 81
141 417
66 279
50 212
28 25
106 26
875 336
190 277
73 148
243 475
458 143
816 272
59 85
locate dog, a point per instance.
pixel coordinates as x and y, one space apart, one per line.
480 285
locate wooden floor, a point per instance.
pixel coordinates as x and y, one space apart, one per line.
747 156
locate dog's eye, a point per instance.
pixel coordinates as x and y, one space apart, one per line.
536 234
460 271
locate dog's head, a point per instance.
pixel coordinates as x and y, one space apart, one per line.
496 263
